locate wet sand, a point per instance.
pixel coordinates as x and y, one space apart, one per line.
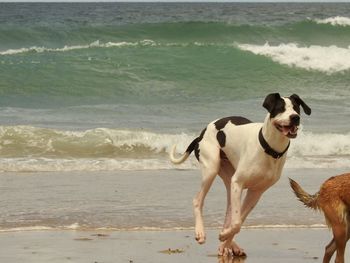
291 245
146 199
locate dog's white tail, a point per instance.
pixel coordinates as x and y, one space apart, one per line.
179 160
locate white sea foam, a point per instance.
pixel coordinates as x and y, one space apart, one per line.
84 164
24 229
98 44
19 141
324 144
285 226
335 21
30 149
327 150
331 59
95 44
92 150
44 49
74 226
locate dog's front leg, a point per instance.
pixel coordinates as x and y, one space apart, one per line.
250 201
234 228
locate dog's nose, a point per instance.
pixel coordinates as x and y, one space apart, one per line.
295 119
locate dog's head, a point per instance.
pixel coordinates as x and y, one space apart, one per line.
285 112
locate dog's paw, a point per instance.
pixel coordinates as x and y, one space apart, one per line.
200 236
231 249
230 259
238 251
224 251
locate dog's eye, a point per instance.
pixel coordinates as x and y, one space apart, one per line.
279 108
296 108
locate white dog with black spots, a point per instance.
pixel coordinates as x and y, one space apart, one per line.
245 155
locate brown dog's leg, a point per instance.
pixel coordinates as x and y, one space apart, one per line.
329 251
332 247
340 236
339 229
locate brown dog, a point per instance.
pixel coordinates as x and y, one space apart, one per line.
333 199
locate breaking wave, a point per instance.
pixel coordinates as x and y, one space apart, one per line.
331 59
335 21
24 141
30 149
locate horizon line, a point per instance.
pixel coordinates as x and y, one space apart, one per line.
174 1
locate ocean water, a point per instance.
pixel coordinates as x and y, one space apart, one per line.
108 88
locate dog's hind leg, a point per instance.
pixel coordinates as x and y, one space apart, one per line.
198 202
329 251
225 248
209 172
332 247
340 233
340 236
226 172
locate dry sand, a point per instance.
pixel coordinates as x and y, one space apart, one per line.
261 245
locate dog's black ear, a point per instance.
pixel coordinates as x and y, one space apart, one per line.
301 103
270 101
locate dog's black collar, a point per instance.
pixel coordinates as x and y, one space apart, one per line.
268 149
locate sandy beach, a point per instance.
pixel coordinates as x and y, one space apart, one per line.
262 246
59 220
53 227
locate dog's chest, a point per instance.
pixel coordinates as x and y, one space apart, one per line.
261 173
261 179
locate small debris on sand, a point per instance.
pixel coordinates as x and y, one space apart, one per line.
172 251
100 235
83 239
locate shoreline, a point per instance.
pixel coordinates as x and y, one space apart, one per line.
261 245
77 228
140 200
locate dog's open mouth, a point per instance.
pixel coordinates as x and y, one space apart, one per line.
291 131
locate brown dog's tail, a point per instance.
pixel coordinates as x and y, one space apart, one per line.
307 199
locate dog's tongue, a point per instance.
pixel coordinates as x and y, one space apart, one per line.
286 130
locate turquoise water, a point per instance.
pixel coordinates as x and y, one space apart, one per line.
54 55
124 81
